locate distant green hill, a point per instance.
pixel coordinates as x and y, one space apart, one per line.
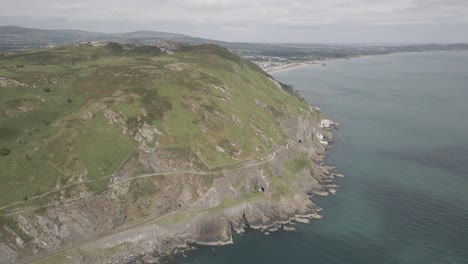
13 38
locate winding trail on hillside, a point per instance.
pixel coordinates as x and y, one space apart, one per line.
147 175
124 228
71 247
83 243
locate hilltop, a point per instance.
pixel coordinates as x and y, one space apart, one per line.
272 55
14 38
118 153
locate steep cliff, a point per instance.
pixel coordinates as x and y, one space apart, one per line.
115 154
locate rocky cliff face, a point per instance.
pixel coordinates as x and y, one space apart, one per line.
187 207
165 196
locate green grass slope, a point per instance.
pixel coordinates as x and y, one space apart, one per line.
77 113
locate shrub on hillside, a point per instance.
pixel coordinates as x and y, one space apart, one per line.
4 151
115 47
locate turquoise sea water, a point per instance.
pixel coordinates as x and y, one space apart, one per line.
403 146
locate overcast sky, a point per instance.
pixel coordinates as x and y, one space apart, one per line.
319 21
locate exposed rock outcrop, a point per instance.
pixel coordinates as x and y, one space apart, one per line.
154 161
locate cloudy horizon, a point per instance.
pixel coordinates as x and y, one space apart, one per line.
318 21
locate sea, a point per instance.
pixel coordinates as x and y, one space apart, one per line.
403 148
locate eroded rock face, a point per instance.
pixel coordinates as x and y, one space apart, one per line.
262 214
327 123
156 154
19 106
210 229
7 255
68 223
5 82
146 219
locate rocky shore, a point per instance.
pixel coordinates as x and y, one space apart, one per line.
191 207
213 225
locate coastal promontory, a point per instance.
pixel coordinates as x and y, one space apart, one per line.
115 153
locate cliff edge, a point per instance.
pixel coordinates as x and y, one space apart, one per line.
126 154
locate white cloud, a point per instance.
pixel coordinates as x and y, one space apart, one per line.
255 20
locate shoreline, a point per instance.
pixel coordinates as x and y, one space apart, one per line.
305 213
299 65
318 63
328 173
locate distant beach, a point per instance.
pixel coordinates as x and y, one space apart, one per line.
298 65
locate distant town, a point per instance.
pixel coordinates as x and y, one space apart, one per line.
297 56
272 63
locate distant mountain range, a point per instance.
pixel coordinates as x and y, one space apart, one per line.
13 38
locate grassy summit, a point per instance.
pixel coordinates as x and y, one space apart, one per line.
79 113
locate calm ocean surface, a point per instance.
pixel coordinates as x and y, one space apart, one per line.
403 146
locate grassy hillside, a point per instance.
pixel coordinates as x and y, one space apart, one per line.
78 113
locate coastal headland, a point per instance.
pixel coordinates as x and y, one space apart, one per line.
132 153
